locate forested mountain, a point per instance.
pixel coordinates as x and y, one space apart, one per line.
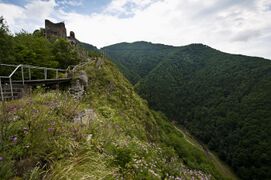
88 46
138 59
222 99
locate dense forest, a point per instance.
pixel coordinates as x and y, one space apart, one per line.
137 60
222 99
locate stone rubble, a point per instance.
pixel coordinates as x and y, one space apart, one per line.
85 117
79 86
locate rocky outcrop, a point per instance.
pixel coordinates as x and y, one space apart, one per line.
79 85
99 62
83 78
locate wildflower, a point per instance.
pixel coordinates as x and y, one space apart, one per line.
12 108
35 111
25 130
14 139
15 118
89 137
50 129
1 158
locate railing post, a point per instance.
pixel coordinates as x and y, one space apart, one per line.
11 88
45 73
1 90
29 73
22 68
57 74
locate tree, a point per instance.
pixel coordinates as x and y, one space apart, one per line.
34 50
6 43
65 54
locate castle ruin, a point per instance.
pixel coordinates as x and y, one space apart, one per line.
58 30
55 29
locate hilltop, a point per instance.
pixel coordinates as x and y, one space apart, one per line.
136 60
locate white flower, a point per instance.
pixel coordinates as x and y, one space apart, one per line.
89 137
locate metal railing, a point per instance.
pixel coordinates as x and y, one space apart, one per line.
22 68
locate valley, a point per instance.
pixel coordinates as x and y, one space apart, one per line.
222 99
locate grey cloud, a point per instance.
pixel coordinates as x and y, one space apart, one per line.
219 6
247 35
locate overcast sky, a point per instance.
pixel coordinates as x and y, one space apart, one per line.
234 26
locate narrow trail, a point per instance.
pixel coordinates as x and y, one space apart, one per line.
211 156
185 137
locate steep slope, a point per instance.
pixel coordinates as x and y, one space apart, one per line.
223 99
88 47
111 133
136 60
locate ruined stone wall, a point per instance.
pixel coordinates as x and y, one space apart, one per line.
72 38
55 29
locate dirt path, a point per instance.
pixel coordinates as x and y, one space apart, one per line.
211 156
185 137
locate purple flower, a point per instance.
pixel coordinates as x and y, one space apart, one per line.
35 111
1 158
50 129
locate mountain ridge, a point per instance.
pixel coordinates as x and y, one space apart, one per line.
178 46
217 96
145 47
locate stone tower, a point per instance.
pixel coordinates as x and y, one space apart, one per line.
55 29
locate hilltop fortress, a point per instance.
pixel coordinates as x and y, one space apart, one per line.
58 30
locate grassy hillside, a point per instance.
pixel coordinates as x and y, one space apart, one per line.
222 99
120 138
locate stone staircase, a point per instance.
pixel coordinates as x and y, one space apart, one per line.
18 91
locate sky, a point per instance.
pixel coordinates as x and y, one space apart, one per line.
234 26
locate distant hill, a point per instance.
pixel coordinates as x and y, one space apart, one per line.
223 99
136 60
88 46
